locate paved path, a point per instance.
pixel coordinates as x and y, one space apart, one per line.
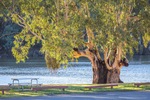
130 95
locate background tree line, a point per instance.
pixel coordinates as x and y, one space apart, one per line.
8 30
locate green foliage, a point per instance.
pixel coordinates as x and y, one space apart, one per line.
51 62
59 25
121 24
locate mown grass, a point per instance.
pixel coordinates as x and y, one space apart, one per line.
75 88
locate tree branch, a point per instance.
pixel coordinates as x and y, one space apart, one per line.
90 45
90 36
78 53
98 55
87 9
86 53
135 18
66 10
119 51
6 35
106 59
118 55
57 7
24 25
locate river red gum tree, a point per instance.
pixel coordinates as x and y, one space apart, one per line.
104 70
97 26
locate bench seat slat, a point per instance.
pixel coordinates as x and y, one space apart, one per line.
49 87
138 84
101 86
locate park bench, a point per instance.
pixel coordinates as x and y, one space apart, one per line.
138 84
21 83
21 86
48 87
101 86
4 88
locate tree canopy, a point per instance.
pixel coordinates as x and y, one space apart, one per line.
61 25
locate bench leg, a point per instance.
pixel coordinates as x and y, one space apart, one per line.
2 92
111 87
34 90
90 89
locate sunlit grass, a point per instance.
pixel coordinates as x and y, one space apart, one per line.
73 88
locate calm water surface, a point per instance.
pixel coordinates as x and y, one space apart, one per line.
77 73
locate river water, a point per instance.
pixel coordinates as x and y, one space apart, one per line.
76 73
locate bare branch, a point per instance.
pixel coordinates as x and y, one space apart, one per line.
20 24
87 9
66 10
90 43
39 37
134 18
119 51
106 59
90 35
98 55
4 5
79 53
7 34
117 56
109 54
57 7
21 19
115 59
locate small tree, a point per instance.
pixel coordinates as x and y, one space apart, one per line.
70 29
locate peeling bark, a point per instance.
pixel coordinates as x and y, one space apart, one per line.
102 75
113 76
99 73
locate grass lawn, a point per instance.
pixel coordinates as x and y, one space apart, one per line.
73 88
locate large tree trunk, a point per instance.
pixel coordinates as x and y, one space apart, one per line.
103 72
113 76
102 75
99 72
